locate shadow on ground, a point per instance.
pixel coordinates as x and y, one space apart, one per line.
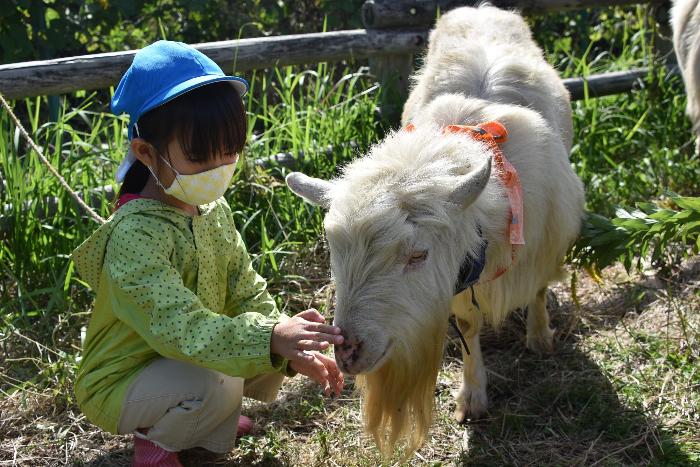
563 409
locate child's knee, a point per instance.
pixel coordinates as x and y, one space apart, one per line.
172 390
224 393
263 387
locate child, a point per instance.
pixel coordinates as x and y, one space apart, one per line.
182 325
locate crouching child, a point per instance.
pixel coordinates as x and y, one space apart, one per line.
182 326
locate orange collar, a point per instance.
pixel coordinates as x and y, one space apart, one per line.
493 133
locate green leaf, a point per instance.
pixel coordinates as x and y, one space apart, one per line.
662 214
609 237
631 223
69 275
688 203
654 230
647 207
622 213
50 14
691 227
598 221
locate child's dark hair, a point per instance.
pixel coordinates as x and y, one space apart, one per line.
208 122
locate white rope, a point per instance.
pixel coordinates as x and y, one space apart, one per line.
58 176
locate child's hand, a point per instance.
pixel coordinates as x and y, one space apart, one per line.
321 369
305 331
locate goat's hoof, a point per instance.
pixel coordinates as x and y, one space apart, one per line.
541 342
471 403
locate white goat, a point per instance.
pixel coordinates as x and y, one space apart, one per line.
685 23
403 220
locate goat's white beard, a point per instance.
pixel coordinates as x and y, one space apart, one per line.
398 397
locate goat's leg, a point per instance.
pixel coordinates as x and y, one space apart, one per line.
471 399
539 334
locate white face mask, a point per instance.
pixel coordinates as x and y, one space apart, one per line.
200 188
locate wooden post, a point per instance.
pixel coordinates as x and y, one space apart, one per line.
393 70
605 84
382 14
663 41
43 50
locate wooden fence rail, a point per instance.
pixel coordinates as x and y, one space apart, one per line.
87 72
97 71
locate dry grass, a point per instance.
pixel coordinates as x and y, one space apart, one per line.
621 389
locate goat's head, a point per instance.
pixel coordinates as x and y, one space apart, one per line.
399 224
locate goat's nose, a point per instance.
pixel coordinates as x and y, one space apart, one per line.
348 352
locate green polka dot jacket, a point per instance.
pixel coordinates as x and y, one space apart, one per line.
169 285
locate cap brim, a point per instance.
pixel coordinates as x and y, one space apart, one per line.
240 84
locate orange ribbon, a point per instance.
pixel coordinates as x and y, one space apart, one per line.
493 134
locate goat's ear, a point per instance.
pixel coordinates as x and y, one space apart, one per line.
313 190
471 185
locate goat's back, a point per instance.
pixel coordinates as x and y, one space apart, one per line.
488 53
482 64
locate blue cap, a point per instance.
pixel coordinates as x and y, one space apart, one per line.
159 73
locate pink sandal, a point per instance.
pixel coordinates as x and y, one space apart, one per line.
148 454
245 426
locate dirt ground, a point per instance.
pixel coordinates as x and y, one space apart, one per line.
620 389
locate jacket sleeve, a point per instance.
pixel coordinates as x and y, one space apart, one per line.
248 295
247 291
148 294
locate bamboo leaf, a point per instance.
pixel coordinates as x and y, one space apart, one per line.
688 203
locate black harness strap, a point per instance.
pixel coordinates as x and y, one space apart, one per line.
456 327
459 333
469 273
471 268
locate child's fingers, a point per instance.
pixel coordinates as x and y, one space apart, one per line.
300 356
323 370
328 362
324 328
338 384
338 379
319 373
312 315
335 377
312 345
323 337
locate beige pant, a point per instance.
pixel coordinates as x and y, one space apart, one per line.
185 406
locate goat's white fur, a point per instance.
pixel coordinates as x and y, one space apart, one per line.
406 196
685 23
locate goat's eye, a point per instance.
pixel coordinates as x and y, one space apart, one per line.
417 257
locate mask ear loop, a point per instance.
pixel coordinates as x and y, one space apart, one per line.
155 177
177 174
137 132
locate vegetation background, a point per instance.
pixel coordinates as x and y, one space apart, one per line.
37 29
622 386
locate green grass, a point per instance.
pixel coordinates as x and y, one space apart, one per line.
629 148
